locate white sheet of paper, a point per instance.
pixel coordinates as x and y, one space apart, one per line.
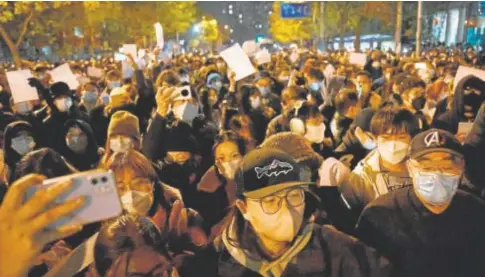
19 86
83 80
164 57
465 127
294 57
464 71
64 74
329 70
130 49
95 72
127 70
420 65
250 47
119 57
358 59
81 257
141 53
238 61
159 35
263 57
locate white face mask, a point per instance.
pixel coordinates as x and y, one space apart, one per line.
23 144
229 168
137 202
186 112
315 134
393 152
255 102
436 188
63 104
120 144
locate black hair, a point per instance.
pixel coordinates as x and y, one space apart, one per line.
395 120
231 136
316 74
364 73
44 161
345 98
123 235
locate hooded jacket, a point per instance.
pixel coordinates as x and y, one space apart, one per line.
90 158
449 120
53 126
11 131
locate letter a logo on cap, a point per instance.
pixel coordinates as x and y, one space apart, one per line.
431 138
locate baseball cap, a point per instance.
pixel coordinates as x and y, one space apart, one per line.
434 140
265 171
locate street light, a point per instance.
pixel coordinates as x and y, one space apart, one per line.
232 31
226 27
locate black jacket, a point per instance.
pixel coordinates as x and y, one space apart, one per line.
474 148
450 119
11 131
53 126
420 243
328 253
90 158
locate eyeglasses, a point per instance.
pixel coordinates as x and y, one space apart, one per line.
272 204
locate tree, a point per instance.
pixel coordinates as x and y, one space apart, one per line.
289 30
180 18
366 12
16 19
398 32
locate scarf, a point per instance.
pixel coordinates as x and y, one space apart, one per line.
269 268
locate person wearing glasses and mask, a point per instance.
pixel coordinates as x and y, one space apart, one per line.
431 228
271 232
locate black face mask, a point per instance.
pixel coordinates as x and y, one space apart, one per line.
474 100
418 103
178 175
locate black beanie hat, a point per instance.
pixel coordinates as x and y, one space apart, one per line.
180 138
60 89
364 118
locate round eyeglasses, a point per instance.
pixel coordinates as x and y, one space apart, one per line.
271 204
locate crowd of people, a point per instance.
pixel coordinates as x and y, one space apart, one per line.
312 166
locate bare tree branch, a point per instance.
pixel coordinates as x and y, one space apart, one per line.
25 25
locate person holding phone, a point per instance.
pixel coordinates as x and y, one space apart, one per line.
23 232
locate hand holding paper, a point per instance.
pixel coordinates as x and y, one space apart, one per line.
238 61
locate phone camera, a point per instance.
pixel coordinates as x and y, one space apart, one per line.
104 179
184 93
94 182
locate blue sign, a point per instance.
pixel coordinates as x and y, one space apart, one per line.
295 10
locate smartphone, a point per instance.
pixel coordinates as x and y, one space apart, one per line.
99 189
